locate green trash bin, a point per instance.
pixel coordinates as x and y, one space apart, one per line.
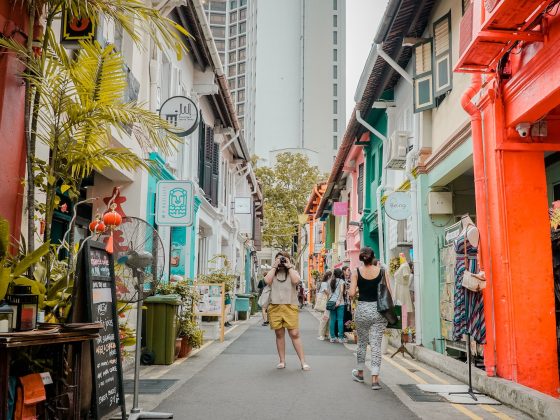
242 305
161 327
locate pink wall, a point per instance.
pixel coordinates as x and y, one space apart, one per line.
353 237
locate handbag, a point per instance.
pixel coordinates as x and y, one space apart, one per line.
475 282
264 299
385 304
331 305
321 303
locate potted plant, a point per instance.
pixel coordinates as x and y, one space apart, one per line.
407 335
189 336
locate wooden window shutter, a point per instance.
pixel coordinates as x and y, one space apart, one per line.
201 147
423 77
360 187
215 173
443 73
208 152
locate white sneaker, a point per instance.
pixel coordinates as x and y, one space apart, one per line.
321 338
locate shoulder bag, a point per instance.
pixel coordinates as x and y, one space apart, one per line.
321 302
331 303
385 304
475 282
264 299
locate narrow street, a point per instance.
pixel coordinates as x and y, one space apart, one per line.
242 382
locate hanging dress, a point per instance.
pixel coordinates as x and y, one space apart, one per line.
468 305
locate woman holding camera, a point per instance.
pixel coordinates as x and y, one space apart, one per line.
283 311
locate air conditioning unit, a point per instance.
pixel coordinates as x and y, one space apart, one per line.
398 148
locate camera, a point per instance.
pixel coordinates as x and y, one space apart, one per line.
523 129
283 261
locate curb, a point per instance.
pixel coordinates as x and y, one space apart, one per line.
531 402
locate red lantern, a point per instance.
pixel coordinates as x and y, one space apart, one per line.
112 219
97 226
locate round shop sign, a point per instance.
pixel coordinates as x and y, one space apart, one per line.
181 113
398 205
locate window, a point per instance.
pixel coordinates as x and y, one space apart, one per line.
335 125
360 187
335 20
465 4
232 57
242 3
335 54
335 71
217 19
233 30
233 4
335 89
334 5
242 54
220 44
335 37
442 56
423 78
231 70
233 43
222 57
241 82
220 6
242 27
241 95
233 17
233 96
335 106
232 83
335 142
218 31
243 14
241 68
240 109
242 40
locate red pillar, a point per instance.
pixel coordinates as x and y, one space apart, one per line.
520 248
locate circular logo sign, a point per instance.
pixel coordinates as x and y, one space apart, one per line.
181 113
398 206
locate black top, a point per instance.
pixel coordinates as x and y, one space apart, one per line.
368 287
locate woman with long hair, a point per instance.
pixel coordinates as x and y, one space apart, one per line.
370 324
283 310
323 295
336 301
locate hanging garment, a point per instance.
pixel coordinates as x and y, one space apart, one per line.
468 305
402 287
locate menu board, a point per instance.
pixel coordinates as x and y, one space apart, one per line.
99 280
211 302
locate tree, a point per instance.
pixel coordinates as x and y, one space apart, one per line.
286 188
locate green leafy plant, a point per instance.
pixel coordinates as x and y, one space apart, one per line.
189 330
220 273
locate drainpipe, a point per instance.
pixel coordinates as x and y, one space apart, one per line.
381 186
483 216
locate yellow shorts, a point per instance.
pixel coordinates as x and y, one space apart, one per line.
283 316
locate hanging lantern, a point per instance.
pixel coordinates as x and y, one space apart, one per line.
6 317
97 226
112 220
24 304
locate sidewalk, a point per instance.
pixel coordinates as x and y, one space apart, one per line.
237 379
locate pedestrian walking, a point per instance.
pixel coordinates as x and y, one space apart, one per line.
323 294
347 301
336 306
283 311
370 324
264 309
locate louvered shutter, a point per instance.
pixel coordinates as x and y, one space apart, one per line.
201 146
215 173
208 153
442 56
423 77
360 188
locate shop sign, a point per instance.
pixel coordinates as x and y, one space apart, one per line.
398 205
175 203
181 113
340 208
452 232
242 205
75 29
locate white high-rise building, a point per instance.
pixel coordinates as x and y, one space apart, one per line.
300 91
285 63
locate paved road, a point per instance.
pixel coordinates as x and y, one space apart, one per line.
238 380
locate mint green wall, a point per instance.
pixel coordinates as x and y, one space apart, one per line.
431 234
374 161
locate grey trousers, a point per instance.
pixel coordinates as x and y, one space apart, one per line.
370 326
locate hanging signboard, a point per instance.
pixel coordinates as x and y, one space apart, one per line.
175 203
398 205
242 205
181 113
211 302
75 29
98 290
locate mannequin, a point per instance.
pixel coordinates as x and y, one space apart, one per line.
469 228
402 284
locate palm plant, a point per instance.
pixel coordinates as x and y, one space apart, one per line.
136 19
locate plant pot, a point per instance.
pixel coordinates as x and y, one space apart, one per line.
384 344
405 338
185 348
178 342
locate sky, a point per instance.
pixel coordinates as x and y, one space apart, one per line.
362 20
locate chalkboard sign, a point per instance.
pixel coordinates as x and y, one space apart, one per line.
98 277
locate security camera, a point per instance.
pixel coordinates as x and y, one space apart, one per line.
523 129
